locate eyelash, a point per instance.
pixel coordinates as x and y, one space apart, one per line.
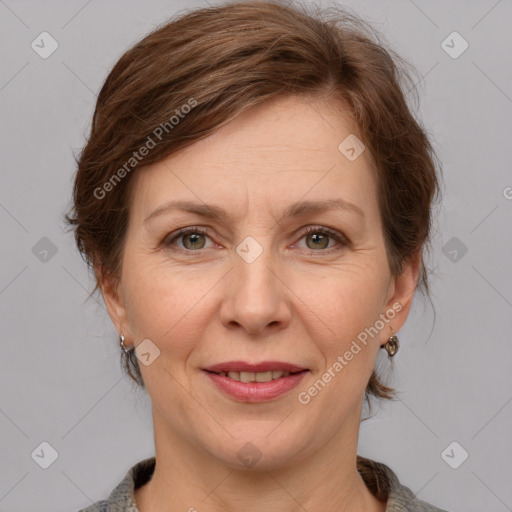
338 237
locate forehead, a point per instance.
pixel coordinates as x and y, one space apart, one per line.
278 151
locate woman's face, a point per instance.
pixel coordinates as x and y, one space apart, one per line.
252 286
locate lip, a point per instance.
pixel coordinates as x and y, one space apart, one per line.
255 391
265 366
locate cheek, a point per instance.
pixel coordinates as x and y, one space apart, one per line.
167 307
344 301
343 309
165 303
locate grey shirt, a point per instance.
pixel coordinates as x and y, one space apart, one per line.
379 478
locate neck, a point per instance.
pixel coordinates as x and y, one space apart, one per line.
188 478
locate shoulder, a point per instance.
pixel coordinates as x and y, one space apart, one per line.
122 497
384 484
99 506
401 498
108 506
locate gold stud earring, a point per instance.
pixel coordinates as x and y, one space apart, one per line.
392 345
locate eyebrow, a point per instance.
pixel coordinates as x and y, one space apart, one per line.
297 209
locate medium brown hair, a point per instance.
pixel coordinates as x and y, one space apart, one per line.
196 72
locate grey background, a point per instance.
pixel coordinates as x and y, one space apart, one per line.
60 379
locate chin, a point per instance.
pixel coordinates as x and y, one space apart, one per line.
254 449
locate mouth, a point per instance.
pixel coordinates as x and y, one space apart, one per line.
255 372
255 382
257 376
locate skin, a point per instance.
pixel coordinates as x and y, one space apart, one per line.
302 300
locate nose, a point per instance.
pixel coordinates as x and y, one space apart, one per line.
256 298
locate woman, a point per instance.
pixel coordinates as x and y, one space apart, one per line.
255 199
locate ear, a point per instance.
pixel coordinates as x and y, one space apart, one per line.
400 296
114 301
